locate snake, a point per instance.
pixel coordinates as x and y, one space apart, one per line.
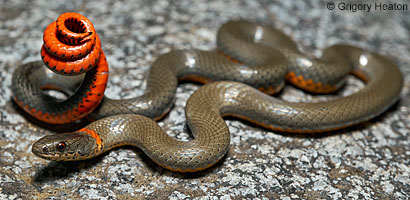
251 62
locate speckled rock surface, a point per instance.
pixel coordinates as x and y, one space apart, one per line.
368 161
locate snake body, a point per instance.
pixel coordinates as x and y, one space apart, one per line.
259 56
71 47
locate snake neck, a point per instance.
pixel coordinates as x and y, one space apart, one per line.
200 153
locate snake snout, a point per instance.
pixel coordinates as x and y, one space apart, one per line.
35 150
39 149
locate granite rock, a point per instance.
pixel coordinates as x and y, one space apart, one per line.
367 161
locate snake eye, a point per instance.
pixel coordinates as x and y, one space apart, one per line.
61 146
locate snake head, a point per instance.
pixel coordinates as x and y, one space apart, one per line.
64 147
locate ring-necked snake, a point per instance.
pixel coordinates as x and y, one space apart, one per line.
258 56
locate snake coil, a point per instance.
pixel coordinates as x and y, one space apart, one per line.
264 57
71 47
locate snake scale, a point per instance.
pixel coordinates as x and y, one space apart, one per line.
249 56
